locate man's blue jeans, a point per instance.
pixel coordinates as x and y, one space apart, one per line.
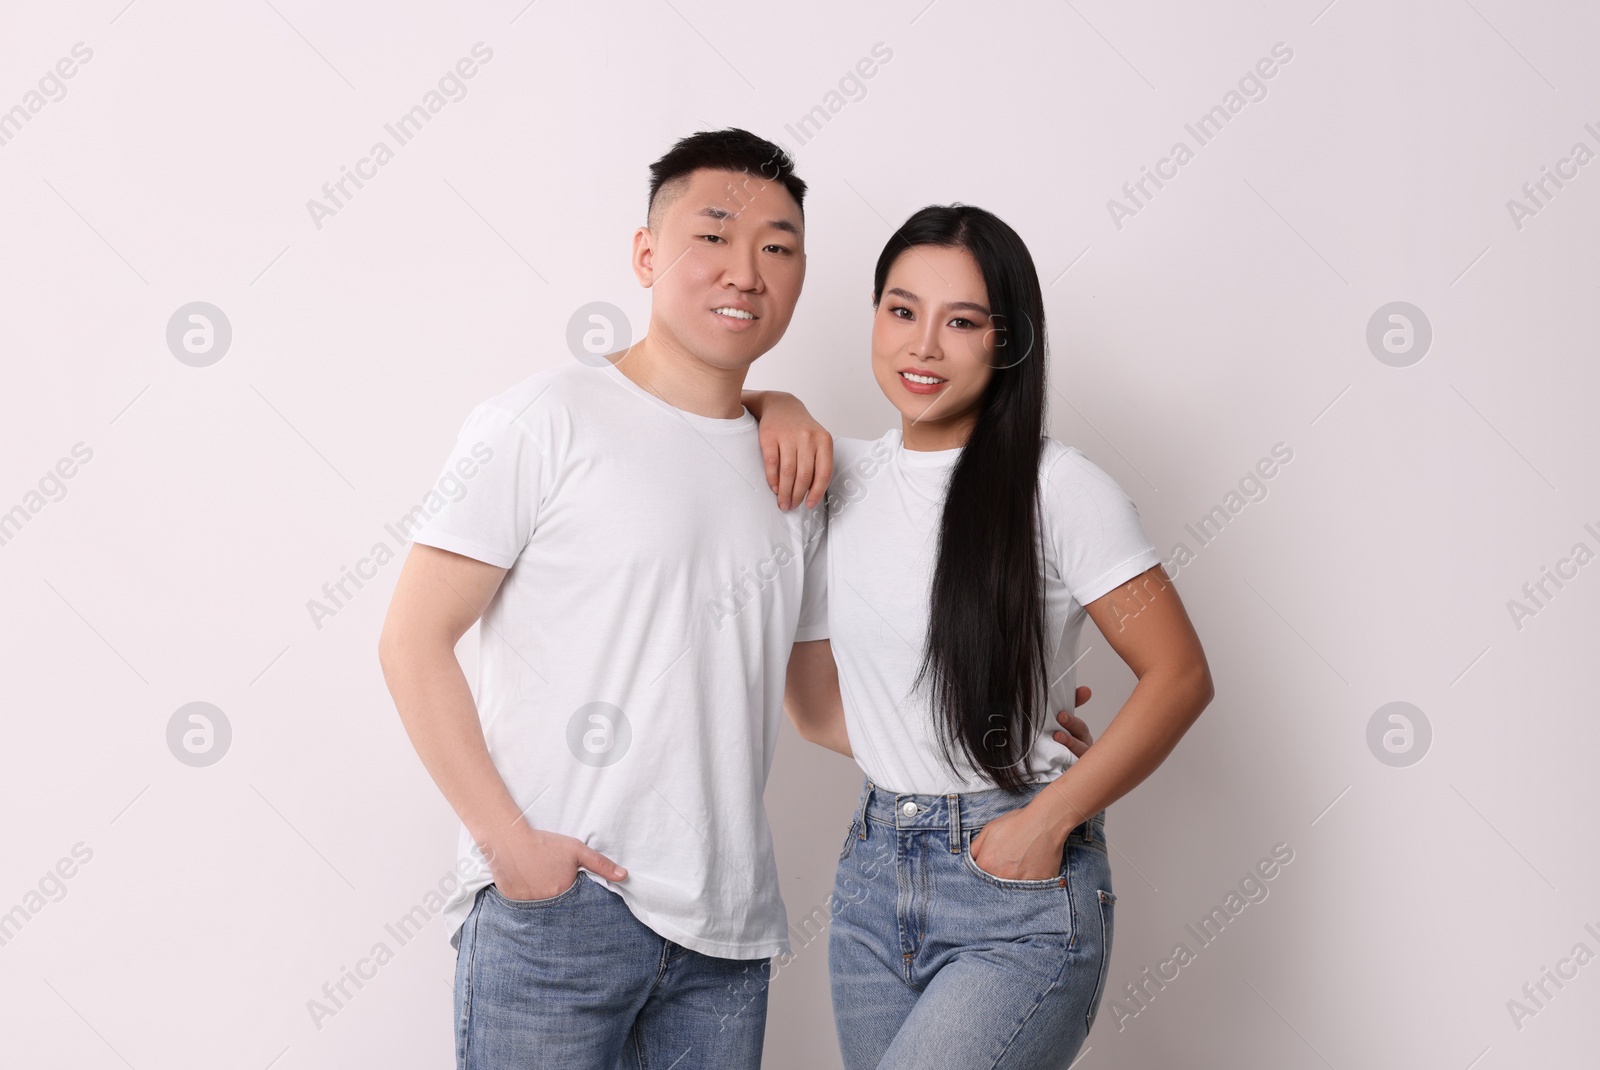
576 981
937 964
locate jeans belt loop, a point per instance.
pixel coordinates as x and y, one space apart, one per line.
861 815
955 822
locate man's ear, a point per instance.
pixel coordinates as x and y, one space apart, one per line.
644 255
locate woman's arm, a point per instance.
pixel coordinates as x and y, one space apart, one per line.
1145 623
811 696
798 451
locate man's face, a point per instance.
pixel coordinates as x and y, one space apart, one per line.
722 241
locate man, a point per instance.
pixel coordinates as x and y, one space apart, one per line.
640 593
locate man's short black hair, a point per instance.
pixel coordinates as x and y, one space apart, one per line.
732 149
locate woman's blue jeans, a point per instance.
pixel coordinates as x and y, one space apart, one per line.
937 964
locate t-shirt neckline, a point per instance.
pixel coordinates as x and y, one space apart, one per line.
925 458
714 424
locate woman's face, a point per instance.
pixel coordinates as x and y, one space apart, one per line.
933 323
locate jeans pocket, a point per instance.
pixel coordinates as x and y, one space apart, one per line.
1108 902
534 904
849 839
1057 882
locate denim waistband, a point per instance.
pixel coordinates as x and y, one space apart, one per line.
957 811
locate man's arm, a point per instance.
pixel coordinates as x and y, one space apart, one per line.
1074 733
811 696
812 699
438 596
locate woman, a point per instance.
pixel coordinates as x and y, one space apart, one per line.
973 900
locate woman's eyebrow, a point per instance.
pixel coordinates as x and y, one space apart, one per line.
907 295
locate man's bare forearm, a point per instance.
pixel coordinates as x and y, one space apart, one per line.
435 705
811 696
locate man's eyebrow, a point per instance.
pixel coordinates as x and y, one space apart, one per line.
895 291
785 225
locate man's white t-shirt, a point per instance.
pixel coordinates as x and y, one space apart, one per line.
882 542
631 666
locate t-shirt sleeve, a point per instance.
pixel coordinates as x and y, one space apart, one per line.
486 501
1095 533
814 600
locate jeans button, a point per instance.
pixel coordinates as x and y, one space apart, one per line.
909 809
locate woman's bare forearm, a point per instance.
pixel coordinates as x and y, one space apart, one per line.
1144 732
755 401
1145 623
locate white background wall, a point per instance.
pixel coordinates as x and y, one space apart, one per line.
1228 315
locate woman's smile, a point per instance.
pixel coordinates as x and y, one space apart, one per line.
921 382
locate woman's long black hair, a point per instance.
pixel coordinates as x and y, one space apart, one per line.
985 658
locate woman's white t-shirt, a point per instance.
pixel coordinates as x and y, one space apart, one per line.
881 544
